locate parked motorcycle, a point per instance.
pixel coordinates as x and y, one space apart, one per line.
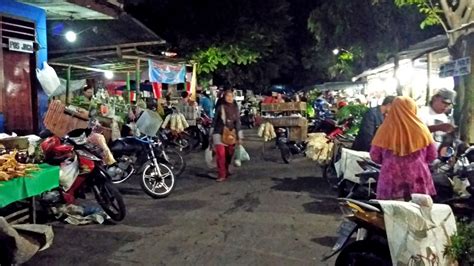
288 148
199 134
92 171
371 245
453 176
139 156
247 117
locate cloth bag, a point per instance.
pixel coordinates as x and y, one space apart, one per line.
48 79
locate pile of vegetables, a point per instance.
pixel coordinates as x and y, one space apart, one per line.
318 148
266 131
354 111
10 168
177 122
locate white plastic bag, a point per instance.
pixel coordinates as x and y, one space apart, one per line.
48 79
209 158
68 173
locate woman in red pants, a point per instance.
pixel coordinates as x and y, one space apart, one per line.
226 133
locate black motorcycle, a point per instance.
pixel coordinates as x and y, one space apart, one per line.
287 147
138 156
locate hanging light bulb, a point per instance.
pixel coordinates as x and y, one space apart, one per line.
71 36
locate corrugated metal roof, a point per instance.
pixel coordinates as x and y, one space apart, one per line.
92 35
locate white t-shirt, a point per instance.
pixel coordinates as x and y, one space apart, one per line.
431 118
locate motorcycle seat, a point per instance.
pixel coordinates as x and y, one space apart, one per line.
368 205
368 174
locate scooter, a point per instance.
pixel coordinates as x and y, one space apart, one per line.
92 171
287 147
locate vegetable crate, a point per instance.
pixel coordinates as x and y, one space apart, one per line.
60 123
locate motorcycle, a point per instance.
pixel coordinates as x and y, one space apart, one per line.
366 220
288 148
139 155
199 134
453 177
247 117
92 173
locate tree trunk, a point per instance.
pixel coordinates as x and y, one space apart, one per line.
464 113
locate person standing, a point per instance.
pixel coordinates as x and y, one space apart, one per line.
404 147
226 134
206 104
371 121
435 117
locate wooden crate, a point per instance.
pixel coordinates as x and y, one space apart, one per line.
60 123
298 133
288 121
284 107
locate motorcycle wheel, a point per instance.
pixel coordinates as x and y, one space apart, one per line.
176 162
329 172
285 153
157 186
110 199
364 252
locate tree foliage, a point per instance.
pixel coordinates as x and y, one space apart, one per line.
370 30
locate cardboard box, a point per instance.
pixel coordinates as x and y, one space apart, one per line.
284 107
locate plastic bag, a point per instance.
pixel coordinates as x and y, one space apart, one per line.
68 173
240 155
48 79
209 157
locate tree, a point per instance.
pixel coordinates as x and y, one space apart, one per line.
239 43
457 19
368 31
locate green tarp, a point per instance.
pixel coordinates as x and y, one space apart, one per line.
36 183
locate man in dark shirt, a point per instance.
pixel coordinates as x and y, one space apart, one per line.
370 123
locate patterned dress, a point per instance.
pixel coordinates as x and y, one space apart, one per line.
402 176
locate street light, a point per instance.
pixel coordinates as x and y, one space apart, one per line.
340 50
108 74
336 51
71 36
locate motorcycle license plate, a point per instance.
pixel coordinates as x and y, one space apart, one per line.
344 232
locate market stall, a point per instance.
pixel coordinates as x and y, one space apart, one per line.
288 115
20 181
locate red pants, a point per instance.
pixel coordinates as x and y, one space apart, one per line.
224 159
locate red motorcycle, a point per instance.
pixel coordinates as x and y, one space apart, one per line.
92 173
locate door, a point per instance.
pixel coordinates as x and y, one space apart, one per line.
18 102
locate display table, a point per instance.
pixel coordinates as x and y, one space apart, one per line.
45 179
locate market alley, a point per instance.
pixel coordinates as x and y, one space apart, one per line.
268 213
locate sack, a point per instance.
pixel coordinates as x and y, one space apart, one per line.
48 79
208 156
229 137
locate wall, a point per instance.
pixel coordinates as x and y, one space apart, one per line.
38 15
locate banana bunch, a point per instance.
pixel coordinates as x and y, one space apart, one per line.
10 168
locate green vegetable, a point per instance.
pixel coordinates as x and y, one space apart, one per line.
462 244
354 111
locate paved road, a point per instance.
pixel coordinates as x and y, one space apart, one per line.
269 213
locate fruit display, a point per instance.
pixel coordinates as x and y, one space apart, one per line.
10 168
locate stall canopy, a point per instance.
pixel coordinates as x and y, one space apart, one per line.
336 86
120 46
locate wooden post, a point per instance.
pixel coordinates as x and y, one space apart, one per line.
128 87
429 58
68 83
137 79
